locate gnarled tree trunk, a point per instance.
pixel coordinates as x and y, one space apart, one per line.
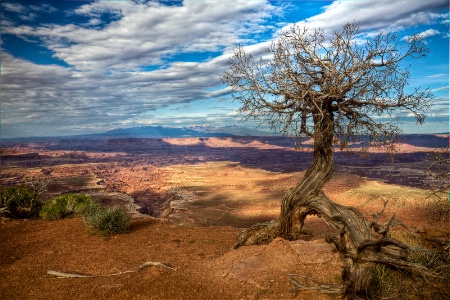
294 207
361 242
339 84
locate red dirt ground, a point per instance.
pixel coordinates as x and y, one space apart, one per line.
205 266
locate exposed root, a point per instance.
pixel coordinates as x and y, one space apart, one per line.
258 234
336 289
362 244
75 275
384 228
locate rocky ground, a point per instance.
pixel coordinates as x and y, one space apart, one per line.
202 191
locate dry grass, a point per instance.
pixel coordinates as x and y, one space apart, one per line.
393 283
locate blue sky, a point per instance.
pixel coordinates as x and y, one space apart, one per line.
76 67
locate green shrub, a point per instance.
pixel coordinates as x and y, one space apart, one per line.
99 219
106 221
20 201
65 206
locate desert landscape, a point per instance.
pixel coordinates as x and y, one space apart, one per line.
188 199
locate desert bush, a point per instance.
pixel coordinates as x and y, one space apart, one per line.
106 221
20 201
439 209
390 282
437 169
99 219
65 206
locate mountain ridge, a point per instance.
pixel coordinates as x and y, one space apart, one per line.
189 131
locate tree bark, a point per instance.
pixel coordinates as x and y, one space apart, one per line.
294 206
307 198
362 243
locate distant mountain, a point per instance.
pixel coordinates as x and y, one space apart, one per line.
151 132
231 130
191 131
146 132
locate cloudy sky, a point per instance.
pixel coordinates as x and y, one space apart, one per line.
74 67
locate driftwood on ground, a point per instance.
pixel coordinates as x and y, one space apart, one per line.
76 275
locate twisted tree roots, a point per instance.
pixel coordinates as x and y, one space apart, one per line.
362 243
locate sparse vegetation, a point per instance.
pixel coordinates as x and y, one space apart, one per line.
100 220
228 196
106 221
389 282
20 201
439 172
439 210
438 169
65 206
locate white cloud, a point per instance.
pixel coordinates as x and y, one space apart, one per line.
108 84
437 75
14 7
386 15
146 33
428 33
55 98
27 13
424 34
444 88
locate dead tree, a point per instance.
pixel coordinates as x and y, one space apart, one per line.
333 90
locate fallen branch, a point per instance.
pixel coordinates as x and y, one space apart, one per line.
68 275
74 275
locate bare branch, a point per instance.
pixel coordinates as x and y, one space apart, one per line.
335 91
302 73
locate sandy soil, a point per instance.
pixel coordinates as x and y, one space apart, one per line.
205 267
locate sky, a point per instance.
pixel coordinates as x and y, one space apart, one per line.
79 67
